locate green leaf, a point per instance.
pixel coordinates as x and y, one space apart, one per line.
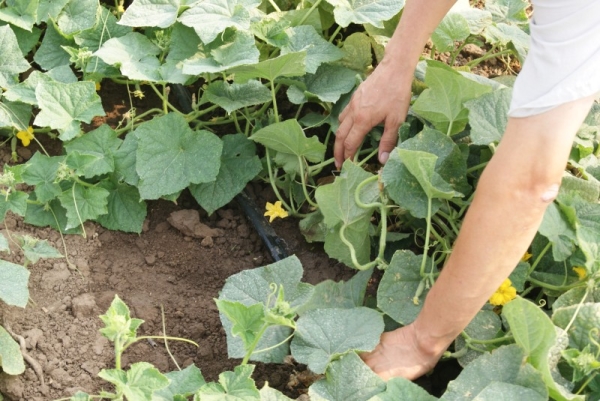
83 203
25 92
504 34
49 214
322 335
125 161
51 53
118 324
78 15
443 102
80 396
477 19
239 164
488 115
12 63
183 383
287 65
20 13
134 54
559 232
453 28
13 284
15 201
509 11
4 244
270 394
169 163
106 28
50 9
318 50
347 379
93 153
247 320
234 96
398 287
232 386
580 329
14 115
11 359
357 52
327 84
137 384
485 326
399 388
404 188
126 211
534 332
159 13
288 137
64 106
251 287
41 172
271 30
372 12
233 48
576 295
211 17
491 375
35 249
345 295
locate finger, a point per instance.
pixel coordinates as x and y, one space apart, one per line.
340 137
354 139
389 139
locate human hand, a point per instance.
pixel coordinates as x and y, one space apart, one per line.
383 97
399 353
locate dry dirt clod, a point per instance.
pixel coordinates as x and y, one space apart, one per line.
84 305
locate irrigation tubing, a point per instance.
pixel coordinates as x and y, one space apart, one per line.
275 245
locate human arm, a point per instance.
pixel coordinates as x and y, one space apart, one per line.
385 95
511 198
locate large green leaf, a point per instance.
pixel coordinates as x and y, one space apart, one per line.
35 249
288 137
93 153
327 84
50 214
50 9
65 106
406 190
233 48
51 53
125 161
41 171
11 359
269 394
135 54
15 201
20 13
232 386
138 383
15 115
106 28
486 325
12 63
504 34
399 388
559 232
318 50
126 211
488 115
399 284
159 13
372 12
211 17
453 28
78 15
239 164
13 284
234 96
184 383
322 335
489 376
287 65
443 102
534 332
358 54
347 379
251 287
83 203
246 321
477 19
169 163
508 11
582 325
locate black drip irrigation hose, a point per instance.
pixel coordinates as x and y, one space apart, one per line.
275 245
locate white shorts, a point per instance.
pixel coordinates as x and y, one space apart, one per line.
563 63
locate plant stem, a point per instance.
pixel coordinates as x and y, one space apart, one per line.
301 162
272 181
477 167
337 30
489 55
273 96
254 344
427 235
185 340
555 287
314 6
539 258
355 261
585 384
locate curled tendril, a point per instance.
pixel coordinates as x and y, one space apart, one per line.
592 334
272 293
542 303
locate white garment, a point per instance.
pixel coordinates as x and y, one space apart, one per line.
563 63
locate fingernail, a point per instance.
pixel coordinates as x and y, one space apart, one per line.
383 157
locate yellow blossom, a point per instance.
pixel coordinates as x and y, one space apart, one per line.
120 8
98 86
581 272
139 94
275 210
526 257
505 293
26 136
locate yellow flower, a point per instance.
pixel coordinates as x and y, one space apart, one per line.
505 293
275 210
26 136
526 257
581 272
98 86
139 94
